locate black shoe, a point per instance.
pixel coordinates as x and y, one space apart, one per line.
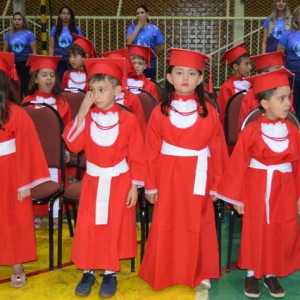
108 286
251 287
84 286
274 287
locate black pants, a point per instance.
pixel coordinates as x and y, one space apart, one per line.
23 73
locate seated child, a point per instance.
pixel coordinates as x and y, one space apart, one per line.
126 97
113 144
239 59
44 87
262 181
140 57
76 78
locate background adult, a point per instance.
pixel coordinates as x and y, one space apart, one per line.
146 34
22 42
275 25
61 37
290 44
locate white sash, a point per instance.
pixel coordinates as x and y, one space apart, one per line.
8 147
201 167
105 175
284 168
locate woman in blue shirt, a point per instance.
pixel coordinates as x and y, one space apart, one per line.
275 25
61 37
22 42
146 34
290 44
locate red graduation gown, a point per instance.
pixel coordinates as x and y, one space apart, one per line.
272 248
24 168
102 246
62 105
182 245
69 82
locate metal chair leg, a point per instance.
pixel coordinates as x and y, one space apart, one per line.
132 264
68 214
230 239
59 238
51 263
142 204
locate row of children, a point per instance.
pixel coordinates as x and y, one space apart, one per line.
184 165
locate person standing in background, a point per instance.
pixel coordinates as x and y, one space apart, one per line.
21 42
275 25
146 34
61 38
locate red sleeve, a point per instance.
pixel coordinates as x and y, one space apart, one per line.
64 83
153 142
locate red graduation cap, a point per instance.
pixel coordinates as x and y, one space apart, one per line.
110 66
270 80
234 53
122 53
7 64
37 62
267 60
143 51
85 44
187 58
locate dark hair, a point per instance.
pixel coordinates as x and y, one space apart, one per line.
240 58
265 95
170 90
32 86
76 49
59 24
145 8
101 77
12 27
5 93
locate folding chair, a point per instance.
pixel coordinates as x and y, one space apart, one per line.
148 102
54 150
257 112
160 91
16 90
232 113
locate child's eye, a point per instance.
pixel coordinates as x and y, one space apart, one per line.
192 73
179 72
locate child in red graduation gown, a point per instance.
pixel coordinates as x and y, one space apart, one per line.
76 77
263 182
186 154
140 57
239 59
23 166
113 144
44 87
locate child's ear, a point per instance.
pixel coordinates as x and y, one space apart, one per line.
169 78
235 67
118 90
264 103
200 79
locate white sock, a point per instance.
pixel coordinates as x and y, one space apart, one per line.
108 272
250 273
89 271
270 275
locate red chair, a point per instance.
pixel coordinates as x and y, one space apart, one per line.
54 150
74 99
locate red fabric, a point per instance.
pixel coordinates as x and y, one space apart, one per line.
148 86
63 106
226 92
265 248
66 79
101 246
133 103
182 245
18 170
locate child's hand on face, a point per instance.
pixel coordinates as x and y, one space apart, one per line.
23 194
84 108
152 198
